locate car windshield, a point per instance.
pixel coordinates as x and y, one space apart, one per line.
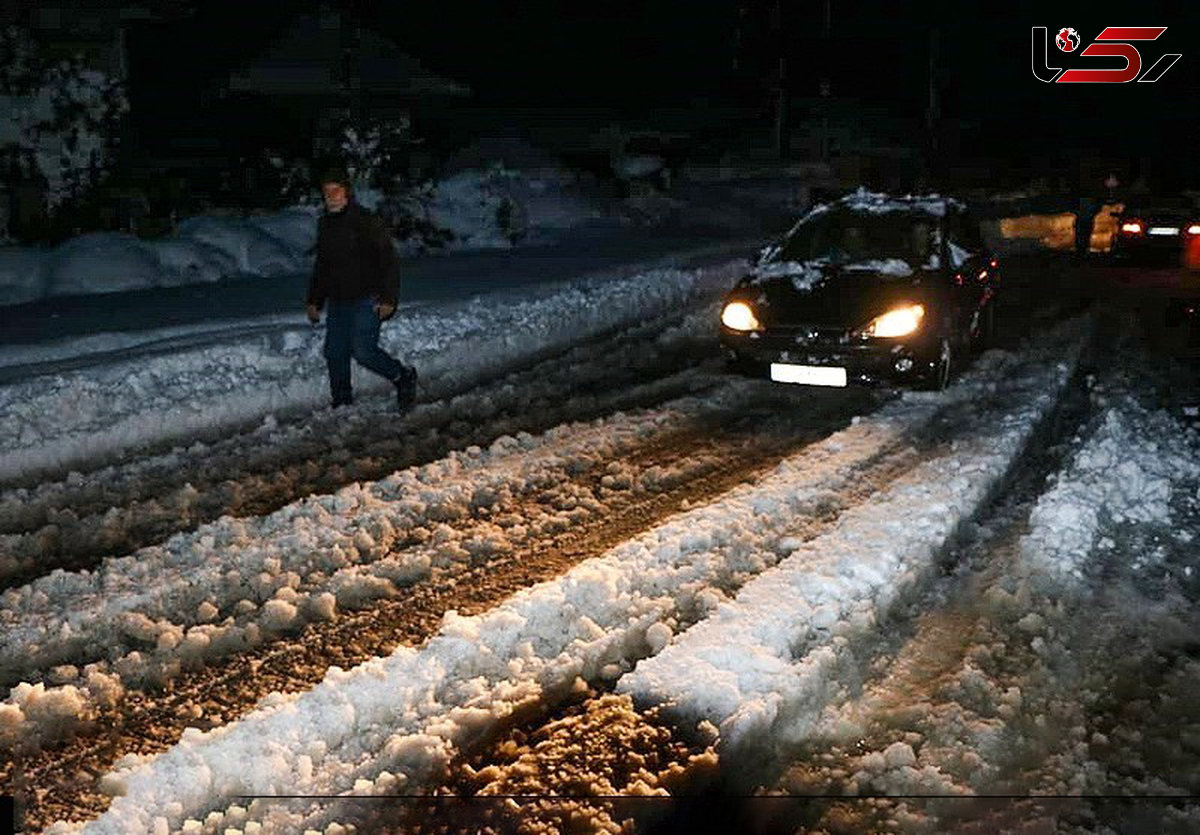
850 237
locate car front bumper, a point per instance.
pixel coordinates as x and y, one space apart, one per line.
891 361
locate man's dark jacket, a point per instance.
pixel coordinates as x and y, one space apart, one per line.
355 258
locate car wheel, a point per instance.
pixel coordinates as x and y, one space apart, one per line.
942 366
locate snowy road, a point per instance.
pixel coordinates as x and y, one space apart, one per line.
604 567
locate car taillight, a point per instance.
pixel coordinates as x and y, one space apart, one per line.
1133 227
1194 229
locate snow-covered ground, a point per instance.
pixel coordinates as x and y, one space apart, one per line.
1056 668
79 418
867 606
210 248
408 711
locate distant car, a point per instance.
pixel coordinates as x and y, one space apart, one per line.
868 289
1159 230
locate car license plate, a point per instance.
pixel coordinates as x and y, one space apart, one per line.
1164 230
809 375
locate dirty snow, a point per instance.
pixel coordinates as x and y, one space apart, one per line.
765 662
403 715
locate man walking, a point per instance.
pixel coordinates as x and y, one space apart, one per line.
357 273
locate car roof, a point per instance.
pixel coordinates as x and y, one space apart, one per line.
878 203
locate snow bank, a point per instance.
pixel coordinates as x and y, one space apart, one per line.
102 262
22 274
187 261
551 196
296 227
206 249
54 423
254 251
764 664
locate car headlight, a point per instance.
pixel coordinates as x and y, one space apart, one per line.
739 316
899 322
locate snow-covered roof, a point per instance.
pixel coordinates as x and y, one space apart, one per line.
877 202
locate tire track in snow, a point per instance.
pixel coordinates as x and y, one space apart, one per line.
797 628
594 764
509 764
477 669
707 460
74 523
1033 672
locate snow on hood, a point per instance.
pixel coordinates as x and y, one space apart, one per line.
897 267
807 274
804 274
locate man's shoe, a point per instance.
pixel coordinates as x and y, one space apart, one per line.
406 388
337 404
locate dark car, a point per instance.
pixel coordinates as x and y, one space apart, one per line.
868 289
1164 230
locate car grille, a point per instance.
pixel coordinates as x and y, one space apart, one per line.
815 336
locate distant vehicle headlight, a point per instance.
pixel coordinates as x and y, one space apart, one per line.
739 316
899 322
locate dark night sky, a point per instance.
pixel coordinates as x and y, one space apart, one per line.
668 53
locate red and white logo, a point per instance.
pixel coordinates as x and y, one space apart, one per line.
1112 42
1067 40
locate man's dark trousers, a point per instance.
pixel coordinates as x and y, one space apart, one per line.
352 330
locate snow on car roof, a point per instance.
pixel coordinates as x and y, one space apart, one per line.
867 202
878 202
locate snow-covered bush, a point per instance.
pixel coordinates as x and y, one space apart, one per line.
376 156
60 118
373 151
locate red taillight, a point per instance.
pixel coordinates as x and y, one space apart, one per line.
1194 229
1133 227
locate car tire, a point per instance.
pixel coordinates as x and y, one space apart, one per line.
942 367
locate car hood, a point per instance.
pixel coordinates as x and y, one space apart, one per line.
818 293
